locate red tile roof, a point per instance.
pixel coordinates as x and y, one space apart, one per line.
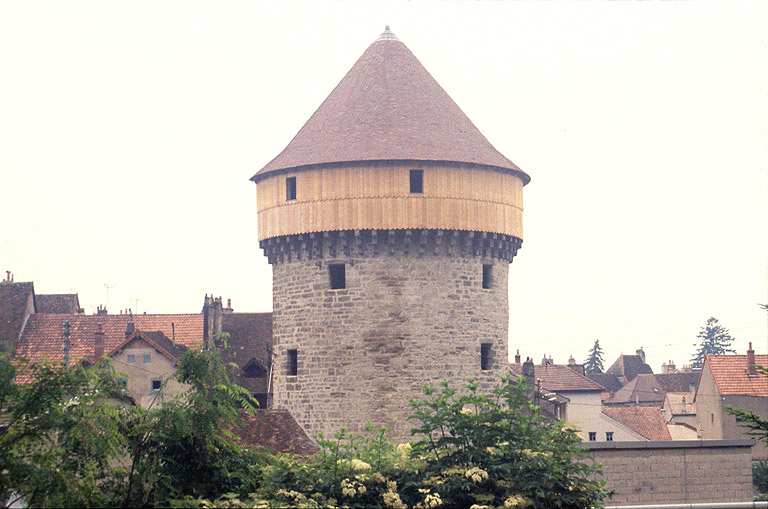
644 420
274 429
730 374
388 108
560 378
63 303
43 334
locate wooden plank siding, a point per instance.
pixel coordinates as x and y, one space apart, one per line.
378 197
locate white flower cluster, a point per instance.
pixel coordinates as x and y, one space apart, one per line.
359 465
352 488
517 501
477 475
431 499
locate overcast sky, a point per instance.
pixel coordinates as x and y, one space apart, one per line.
129 130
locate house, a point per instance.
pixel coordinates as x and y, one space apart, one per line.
731 380
649 389
627 367
646 421
147 362
580 403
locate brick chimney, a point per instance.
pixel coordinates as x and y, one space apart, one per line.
98 343
640 353
101 310
130 328
517 357
751 369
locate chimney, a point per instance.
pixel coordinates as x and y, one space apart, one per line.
571 361
101 310
98 343
517 357
529 373
640 353
130 328
229 309
751 369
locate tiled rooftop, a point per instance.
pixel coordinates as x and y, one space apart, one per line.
387 108
276 430
730 373
250 338
650 388
13 306
63 303
43 334
629 366
560 378
645 420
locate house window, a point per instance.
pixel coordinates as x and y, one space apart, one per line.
293 362
609 436
417 181
131 358
485 356
147 358
157 384
487 275
337 276
290 188
592 436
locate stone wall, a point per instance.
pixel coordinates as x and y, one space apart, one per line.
670 472
410 314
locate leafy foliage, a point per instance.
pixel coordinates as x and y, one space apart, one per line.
594 362
70 437
496 448
59 438
715 340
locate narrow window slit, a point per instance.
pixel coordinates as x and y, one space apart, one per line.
337 275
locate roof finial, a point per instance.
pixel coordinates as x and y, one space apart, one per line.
387 35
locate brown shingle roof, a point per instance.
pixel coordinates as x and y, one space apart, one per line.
650 389
42 335
607 380
388 108
63 303
250 339
645 420
559 378
13 307
629 366
730 374
274 429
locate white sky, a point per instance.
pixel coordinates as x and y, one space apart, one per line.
129 130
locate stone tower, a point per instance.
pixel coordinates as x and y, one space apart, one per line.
390 222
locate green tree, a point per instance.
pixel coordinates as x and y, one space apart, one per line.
59 434
715 340
70 437
496 449
594 362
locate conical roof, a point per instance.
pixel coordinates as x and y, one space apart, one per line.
388 108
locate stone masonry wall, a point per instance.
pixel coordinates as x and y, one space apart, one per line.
406 317
676 472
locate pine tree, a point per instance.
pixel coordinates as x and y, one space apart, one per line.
594 362
715 340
